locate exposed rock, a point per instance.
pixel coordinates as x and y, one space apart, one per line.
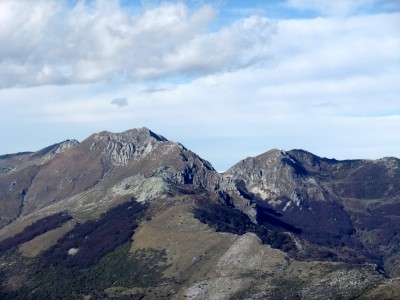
248 256
123 147
250 270
332 227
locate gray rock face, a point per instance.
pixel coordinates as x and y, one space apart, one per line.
275 178
68 144
123 147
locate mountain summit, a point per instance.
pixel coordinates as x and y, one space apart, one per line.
135 215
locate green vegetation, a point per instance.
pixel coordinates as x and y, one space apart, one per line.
121 268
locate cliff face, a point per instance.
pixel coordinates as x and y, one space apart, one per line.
134 214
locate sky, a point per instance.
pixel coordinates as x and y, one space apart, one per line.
228 79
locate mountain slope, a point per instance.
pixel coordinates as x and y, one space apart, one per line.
134 215
349 210
33 181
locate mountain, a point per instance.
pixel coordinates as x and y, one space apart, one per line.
133 215
31 181
348 208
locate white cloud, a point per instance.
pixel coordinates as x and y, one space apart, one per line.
46 42
330 88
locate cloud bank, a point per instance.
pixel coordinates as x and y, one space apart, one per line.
53 43
326 83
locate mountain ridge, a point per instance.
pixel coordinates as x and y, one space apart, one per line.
338 216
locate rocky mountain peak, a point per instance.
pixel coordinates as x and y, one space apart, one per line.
123 147
249 164
277 177
391 164
68 144
49 152
136 134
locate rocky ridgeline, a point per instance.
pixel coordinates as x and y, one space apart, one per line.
166 159
123 147
56 149
60 171
281 224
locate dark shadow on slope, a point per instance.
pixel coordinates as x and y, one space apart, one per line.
225 199
297 167
266 215
265 218
228 219
37 228
94 239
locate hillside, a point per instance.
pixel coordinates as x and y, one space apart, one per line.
133 215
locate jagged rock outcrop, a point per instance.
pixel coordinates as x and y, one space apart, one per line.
274 177
121 148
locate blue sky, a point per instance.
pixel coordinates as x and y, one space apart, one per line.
228 79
